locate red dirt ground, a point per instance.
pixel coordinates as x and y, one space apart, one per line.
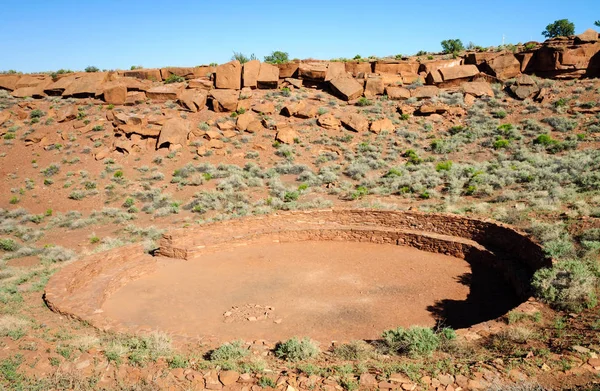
325 290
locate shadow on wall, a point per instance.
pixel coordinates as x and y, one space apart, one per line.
490 296
593 69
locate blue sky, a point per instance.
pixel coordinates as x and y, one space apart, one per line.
43 35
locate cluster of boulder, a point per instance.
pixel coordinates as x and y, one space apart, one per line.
562 57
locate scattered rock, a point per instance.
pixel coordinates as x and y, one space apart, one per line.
286 135
397 93
355 122
346 87
384 124
329 121
224 100
175 132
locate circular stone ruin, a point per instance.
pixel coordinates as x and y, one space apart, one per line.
328 274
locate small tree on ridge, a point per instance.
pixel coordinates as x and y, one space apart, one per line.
560 28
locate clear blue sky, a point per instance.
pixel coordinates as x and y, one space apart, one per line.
43 35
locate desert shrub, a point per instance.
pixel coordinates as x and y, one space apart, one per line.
92 68
363 101
56 254
415 341
8 245
51 170
242 58
13 327
568 285
297 350
37 113
229 351
356 350
561 124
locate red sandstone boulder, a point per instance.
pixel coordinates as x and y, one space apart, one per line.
288 69
433 65
397 93
193 100
312 71
251 70
397 67
286 135
268 76
135 97
224 100
86 84
384 124
175 132
201 84
355 122
229 76
357 68
334 70
588 36
478 89
115 93
458 72
347 87
504 67
185 72
243 120
9 82
374 86
165 92
146 74
329 121
425 92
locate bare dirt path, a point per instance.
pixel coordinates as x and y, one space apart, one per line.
326 290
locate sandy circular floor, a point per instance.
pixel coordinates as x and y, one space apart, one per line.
325 290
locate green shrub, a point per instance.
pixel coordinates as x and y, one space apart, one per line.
452 46
412 156
242 58
559 28
8 245
37 113
229 351
444 166
266 382
363 101
173 78
277 57
92 69
415 341
568 285
296 350
501 143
